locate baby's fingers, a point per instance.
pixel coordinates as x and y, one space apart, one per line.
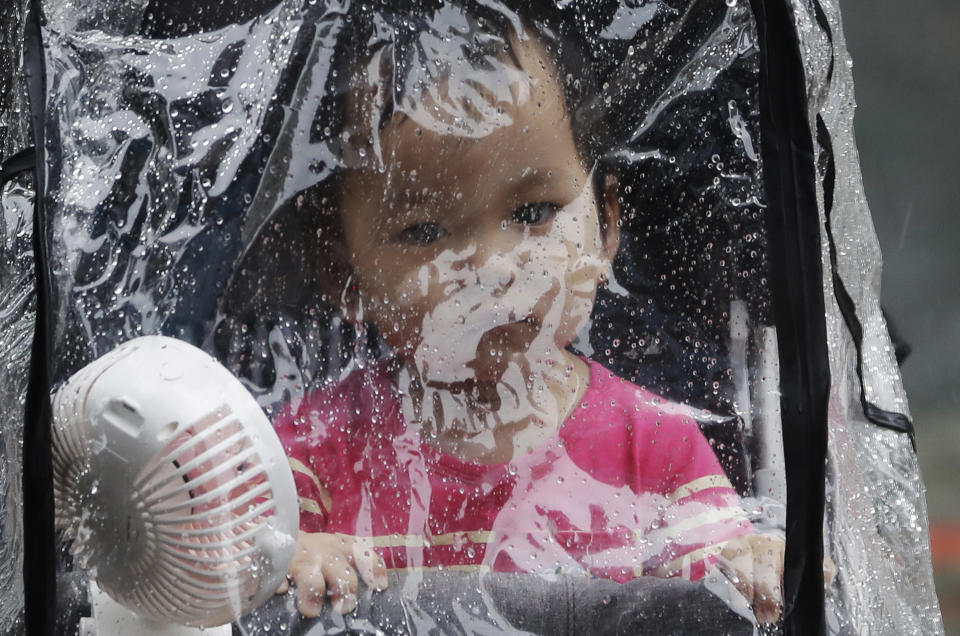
283 587
370 566
341 580
767 597
829 573
736 562
768 575
311 589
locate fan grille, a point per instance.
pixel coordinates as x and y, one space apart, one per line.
181 538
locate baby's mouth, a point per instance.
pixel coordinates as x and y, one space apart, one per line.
502 345
522 330
495 350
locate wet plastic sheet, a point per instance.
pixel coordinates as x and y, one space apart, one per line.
876 522
189 191
421 235
148 212
17 314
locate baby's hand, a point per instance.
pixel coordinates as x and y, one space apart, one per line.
330 562
754 564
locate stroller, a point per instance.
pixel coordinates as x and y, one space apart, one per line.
164 164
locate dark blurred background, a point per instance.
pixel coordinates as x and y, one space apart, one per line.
906 67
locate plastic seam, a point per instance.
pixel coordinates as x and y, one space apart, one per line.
39 544
881 417
799 306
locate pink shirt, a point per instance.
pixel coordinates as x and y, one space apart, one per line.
627 485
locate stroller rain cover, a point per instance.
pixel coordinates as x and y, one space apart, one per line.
565 311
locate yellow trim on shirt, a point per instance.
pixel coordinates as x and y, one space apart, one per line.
298 466
309 505
707 518
703 483
421 541
678 564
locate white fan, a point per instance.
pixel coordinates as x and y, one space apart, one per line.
172 484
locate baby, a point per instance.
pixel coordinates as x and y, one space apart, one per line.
471 229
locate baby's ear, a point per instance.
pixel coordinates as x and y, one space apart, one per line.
611 215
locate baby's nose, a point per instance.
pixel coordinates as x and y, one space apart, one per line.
504 285
496 272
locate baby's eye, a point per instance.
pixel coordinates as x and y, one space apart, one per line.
422 234
534 213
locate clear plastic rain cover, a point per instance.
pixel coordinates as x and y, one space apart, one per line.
876 520
496 270
17 316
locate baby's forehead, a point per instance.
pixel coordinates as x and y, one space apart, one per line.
529 153
454 99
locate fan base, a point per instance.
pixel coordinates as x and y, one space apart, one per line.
109 618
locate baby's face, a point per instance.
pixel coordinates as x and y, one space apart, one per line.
474 253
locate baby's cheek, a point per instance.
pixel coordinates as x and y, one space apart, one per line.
583 275
399 312
582 266
396 322
575 255
576 315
